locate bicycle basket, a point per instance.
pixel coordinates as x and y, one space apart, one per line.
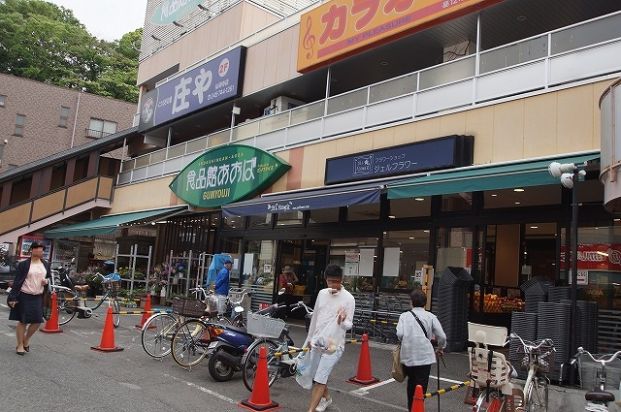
545 356
189 307
264 326
113 286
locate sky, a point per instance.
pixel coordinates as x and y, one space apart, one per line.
107 19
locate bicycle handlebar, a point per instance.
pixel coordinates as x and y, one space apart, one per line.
600 360
302 305
530 346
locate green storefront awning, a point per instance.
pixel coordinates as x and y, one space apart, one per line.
109 224
474 179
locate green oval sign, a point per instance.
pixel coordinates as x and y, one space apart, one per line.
227 174
173 10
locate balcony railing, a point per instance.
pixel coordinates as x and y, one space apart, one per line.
33 210
96 134
570 54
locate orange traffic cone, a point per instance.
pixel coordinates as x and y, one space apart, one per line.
51 326
419 400
364 376
107 337
147 312
260 397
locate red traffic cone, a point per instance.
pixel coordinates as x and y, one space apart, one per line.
419 400
147 311
107 337
260 397
51 326
364 375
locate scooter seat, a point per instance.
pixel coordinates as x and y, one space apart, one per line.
235 329
599 397
82 288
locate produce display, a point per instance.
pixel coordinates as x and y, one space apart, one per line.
493 303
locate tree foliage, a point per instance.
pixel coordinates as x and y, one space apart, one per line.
44 42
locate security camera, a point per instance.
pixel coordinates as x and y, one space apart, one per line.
556 169
567 180
6 141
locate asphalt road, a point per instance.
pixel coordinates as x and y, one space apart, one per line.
61 373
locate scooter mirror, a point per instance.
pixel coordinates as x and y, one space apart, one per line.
282 291
238 309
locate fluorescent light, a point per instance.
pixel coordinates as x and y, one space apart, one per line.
518 189
426 231
494 195
419 199
517 203
534 227
392 217
411 238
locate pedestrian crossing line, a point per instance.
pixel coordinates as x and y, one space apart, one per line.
204 390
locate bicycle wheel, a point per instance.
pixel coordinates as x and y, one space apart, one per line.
157 334
190 342
116 308
495 402
251 358
66 307
536 395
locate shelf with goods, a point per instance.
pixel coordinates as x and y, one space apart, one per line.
186 271
499 300
134 260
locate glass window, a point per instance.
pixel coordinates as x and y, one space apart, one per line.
538 252
523 197
2 100
363 212
99 128
260 222
324 216
234 222
259 265
357 257
405 253
454 248
64 116
419 206
290 219
456 202
20 121
109 127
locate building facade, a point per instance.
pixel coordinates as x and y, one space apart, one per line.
418 137
39 119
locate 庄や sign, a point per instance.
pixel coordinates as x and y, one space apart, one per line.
341 27
172 10
227 174
213 82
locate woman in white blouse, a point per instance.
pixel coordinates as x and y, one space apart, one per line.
416 329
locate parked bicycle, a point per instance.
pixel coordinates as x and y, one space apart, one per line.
598 399
273 334
537 360
71 300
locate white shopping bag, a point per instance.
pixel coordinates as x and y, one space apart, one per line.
303 370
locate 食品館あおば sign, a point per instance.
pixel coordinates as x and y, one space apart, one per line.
227 174
212 82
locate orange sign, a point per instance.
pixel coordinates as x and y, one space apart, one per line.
340 27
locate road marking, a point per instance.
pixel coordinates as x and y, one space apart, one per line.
10 335
444 379
378 402
366 389
204 390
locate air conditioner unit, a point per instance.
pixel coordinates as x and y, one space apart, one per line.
284 103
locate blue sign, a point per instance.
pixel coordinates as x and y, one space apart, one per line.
213 82
442 153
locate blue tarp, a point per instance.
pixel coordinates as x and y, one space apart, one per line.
217 263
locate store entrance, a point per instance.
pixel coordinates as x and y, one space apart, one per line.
300 265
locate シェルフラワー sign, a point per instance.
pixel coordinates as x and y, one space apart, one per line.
227 174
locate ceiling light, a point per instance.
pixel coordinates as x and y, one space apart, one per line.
426 231
494 195
392 217
518 189
534 227
517 203
411 238
419 199
616 220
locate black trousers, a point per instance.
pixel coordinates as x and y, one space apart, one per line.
417 375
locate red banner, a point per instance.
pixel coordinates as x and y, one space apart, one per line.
599 256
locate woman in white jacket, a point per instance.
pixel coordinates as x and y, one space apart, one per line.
415 329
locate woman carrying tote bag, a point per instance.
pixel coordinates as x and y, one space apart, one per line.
415 330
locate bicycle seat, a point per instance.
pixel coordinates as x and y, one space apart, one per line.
599 397
81 288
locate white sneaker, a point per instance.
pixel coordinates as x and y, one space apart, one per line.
323 404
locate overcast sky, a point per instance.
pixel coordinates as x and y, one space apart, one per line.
107 19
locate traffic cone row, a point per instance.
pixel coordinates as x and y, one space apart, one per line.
364 376
107 337
260 397
51 326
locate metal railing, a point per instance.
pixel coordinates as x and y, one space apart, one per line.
96 134
581 51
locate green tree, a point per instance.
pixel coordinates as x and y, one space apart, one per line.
44 42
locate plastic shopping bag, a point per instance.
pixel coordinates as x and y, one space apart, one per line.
330 338
303 370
